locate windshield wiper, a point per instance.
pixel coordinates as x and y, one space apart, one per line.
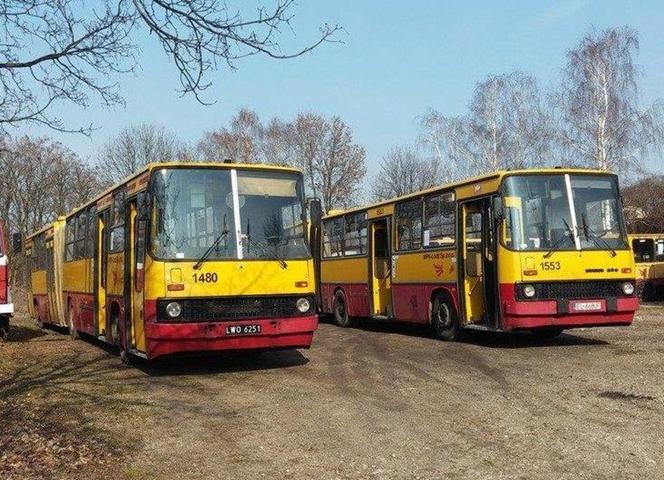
599 241
560 240
264 249
207 253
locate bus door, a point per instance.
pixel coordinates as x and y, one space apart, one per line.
100 269
380 269
135 256
478 269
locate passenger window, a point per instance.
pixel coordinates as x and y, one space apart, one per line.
659 250
439 221
355 234
70 239
81 229
409 224
643 250
333 238
118 229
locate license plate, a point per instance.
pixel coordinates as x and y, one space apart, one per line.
243 329
587 306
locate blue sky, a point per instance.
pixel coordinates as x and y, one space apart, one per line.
397 60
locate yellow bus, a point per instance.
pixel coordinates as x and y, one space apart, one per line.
649 257
182 257
538 250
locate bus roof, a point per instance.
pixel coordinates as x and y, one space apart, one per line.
637 236
152 166
497 175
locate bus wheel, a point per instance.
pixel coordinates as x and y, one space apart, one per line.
125 357
341 317
4 328
648 293
547 333
70 323
444 321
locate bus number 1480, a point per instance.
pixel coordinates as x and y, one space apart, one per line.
206 277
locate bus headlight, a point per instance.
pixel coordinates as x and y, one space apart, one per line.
173 309
303 305
628 288
528 291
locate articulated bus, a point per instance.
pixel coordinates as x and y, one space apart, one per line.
533 250
6 305
649 257
182 257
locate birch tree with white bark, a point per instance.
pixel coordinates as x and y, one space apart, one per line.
506 127
601 122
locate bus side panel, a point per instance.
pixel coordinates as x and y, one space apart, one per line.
350 275
412 302
78 297
416 276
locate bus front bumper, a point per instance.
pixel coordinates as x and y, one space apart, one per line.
561 313
275 333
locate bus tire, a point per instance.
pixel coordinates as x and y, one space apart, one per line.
125 357
444 320
649 292
40 322
341 316
73 333
548 333
4 328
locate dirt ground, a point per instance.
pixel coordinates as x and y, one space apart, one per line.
379 401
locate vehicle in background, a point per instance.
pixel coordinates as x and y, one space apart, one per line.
649 257
182 257
538 250
6 305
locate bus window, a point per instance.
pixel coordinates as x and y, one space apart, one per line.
439 221
332 238
659 250
643 250
355 237
409 224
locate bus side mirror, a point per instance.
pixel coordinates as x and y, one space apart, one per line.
17 242
498 208
315 210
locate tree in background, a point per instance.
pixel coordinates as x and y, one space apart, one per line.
324 149
136 146
41 180
601 123
506 127
242 141
69 52
644 204
403 171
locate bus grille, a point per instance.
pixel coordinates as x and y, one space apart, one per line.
225 309
574 290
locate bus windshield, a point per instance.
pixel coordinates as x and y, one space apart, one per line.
562 212
196 209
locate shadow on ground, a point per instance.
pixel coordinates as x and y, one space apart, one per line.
484 339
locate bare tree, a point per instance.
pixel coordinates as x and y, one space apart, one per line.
135 147
333 164
403 171
644 203
506 127
69 52
601 123
340 168
241 142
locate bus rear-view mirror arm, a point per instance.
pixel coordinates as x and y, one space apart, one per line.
17 242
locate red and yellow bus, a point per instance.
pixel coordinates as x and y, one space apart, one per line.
182 257
537 250
6 305
649 257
